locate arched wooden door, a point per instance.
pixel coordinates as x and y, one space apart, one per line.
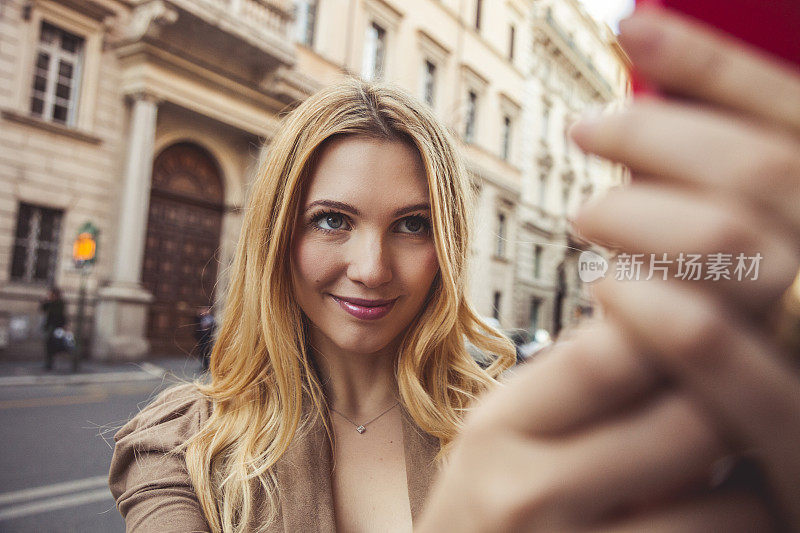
183 233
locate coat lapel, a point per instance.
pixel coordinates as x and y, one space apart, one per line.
303 475
420 449
304 483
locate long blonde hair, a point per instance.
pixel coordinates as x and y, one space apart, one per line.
260 371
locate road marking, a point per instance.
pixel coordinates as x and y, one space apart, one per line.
53 400
59 502
7 498
146 371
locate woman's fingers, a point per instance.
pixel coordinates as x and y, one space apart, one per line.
584 430
531 482
731 512
692 60
580 379
751 391
702 149
642 455
648 220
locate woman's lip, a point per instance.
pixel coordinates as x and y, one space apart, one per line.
363 302
365 312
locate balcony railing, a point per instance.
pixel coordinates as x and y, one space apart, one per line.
262 25
271 15
570 42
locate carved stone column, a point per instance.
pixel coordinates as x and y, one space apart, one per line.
121 315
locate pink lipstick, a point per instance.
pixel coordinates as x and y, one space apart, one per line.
365 309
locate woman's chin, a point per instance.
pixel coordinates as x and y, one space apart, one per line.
362 345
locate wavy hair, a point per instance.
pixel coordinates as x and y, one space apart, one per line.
263 386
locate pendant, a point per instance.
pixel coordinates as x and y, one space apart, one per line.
361 429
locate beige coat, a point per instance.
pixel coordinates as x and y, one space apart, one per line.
154 493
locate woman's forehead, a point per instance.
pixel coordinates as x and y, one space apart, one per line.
367 171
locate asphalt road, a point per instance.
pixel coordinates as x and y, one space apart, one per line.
56 444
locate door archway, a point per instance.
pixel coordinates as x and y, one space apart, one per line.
183 233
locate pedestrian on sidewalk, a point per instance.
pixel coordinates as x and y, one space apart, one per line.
205 326
55 322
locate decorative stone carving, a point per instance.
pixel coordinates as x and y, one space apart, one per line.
147 18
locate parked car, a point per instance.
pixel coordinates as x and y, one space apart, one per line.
526 344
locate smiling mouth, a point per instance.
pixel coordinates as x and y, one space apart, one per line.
365 309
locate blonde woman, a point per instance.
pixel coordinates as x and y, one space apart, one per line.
340 373
340 369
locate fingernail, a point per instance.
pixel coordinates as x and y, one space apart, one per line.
582 221
584 128
640 33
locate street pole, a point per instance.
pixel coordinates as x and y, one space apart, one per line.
84 253
77 354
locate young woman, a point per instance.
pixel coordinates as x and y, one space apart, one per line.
347 299
340 368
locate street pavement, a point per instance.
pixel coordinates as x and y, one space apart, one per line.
57 439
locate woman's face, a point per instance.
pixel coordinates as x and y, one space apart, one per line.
363 257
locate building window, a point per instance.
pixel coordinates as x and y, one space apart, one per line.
374 52
537 261
36 244
505 150
500 250
472 111
305 21
567 143
512 30
496 305
536 306
56 75
478 9
542 189
428 82
545 122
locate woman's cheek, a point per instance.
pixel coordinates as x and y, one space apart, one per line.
313 260
427 264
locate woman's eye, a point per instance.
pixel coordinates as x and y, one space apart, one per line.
415 225
331 221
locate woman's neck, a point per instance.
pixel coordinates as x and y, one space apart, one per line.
358 385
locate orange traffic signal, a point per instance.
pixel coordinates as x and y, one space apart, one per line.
84 247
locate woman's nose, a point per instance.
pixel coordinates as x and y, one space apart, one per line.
369 262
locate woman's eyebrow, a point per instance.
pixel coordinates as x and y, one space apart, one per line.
424 206
335 205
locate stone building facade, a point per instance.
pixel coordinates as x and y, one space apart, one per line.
576 65
145 117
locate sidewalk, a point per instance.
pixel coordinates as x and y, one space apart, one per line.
33 372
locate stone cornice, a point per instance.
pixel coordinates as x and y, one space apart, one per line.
142 64
52 127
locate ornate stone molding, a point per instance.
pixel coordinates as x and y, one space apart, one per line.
287 85
545 161
146 19
144 95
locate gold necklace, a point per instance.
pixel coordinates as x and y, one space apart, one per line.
361 428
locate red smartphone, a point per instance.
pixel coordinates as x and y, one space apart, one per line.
772 25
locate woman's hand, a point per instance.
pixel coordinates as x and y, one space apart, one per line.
587 437
717 173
